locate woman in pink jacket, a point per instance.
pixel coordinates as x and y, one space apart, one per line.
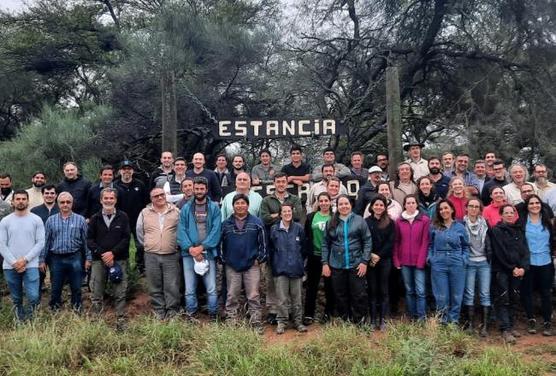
410 255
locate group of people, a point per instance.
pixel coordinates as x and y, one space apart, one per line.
436 225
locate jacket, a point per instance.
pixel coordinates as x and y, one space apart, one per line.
79 189
411 242
509 247
452 239
132 198
101 239
383 238
364 196
459 204
187 229
271 205
286 251
241 248
348 244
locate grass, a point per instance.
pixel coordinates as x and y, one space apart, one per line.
66 344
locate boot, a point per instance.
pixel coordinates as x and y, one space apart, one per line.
372 311
470 317
484 327
547 329
383 314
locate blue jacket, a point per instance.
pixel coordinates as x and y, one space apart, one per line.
286 251
187 229
348 244
240 248
453 239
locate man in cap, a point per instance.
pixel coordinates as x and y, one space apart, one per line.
368 191
418 164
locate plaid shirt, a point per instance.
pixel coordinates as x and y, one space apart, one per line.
65 236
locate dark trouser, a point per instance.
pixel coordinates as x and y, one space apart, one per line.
163 274
62 268
99 279
350 292
538 278
314 273
506 298
378 278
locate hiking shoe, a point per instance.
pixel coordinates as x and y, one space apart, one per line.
301 328
531 326
271 319
547 330
515 333
280 328
308 320
508 337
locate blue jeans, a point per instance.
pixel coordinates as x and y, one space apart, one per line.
209 280
66 268
477 270
448 283
17 282
414 282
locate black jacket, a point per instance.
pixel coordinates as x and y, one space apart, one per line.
101 239
485 193
509 247
522 210
79 189
93 198
364 196
383 238
132 198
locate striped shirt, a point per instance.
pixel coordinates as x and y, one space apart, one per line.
65 236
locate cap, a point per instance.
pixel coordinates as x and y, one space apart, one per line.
115 273
413 143
126 163
374 169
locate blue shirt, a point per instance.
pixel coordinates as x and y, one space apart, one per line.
538 240
452 239
65 236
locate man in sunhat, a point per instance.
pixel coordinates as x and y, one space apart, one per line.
418 164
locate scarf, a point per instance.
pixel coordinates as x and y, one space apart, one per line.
477 229
409 217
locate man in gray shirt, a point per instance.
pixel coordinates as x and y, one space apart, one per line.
21 241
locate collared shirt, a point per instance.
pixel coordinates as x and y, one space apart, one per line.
542 191
538 240
469 178
420 168
65 236
108 218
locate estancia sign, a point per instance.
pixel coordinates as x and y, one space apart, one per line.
259 128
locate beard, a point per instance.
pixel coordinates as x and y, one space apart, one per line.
541 180
434 170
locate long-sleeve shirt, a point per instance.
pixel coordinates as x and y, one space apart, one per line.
21 236
65 236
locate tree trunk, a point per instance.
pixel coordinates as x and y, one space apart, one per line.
393 119
169 112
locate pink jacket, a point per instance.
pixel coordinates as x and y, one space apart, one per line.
411 242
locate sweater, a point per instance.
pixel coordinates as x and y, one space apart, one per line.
214 190
241 248
411 242
21 236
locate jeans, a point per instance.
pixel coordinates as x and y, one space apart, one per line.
163 275
209 280
314 275
17 282
250 280
448 283
66 268
350 294
538 278
477 270
99 279
288 291
414 281
506 297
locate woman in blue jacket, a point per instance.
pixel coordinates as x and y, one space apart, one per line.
287 262
346 252
448 255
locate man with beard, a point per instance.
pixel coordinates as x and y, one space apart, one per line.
21 241
35 193
6 190
132 198
461 170
199 237
382 162
498 180
199 170
540 176
77 186
527 190
327 170
161 174
441 181
108 236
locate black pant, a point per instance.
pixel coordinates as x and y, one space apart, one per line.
378 279
350 292
314 273
538 278
139 253
506 297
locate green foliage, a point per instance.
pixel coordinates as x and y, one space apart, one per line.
55 137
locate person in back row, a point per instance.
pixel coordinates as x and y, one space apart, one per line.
243 186
329 157
77 186
214 190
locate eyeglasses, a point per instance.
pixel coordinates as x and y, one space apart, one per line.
159 195
65 202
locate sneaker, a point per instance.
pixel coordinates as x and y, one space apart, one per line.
301 328
531 326
547 330
271 319
515 333
280 328
382 326
308 320
508 337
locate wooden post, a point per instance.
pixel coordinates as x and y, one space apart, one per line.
169 112
393 119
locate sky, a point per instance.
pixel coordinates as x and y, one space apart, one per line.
12 5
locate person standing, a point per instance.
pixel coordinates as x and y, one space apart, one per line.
243 186
287 258
368 191
497 180
346 252
198 238
428 199
540 176
156 231
419 166
298 172
163 172
6 189
106 180
108 237
35 193
21 242
457 196
357 170
518 176
479 169
172 185
448 255
441 181
329 157
491 213
187 190
243 252
403 184
64 250
199 170
263 173
223 174
77 186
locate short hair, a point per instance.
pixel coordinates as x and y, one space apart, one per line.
109 190
529 184
240 196
329 149
70 163
498 162
434 158
479 161
37 173
279 175
5 176
462 155
106 167
296 148
239 155
265 151
21 192
201 180
187 178
447 152
327 165
180 159
222 155
357 153
64 194
286 204
48 187
376 157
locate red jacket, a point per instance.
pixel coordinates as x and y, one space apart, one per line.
411 242
459 205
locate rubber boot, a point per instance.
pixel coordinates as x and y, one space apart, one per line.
470 318
484 326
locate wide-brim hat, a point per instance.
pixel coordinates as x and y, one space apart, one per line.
413 143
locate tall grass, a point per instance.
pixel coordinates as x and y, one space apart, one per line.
66 344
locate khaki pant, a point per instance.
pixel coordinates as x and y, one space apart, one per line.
250 280
99 279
